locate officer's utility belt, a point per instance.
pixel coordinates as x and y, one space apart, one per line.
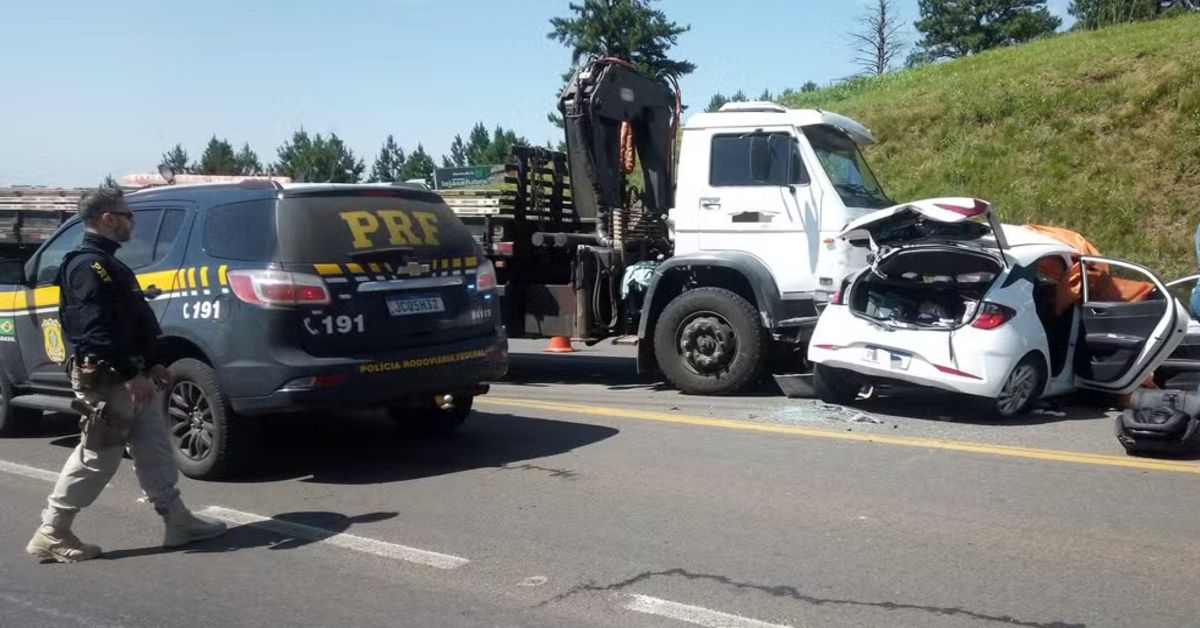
90 374
101 428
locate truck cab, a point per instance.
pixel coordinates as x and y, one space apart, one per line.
778 185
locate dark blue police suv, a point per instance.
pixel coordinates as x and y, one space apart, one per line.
278 298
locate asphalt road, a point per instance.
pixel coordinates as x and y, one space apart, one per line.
583 495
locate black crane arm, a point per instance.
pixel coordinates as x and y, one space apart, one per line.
600 96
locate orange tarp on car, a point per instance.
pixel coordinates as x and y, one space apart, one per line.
1101 284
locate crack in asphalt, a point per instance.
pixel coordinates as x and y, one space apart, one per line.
786 591
565 474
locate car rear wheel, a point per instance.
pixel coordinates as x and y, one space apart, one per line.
1023 386
434 414
207 437
835 386
14 421
708 341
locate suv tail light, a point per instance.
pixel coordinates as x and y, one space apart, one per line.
993 315
277 287
836 298
485 276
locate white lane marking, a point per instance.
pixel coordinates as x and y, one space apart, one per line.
346 541
29 472
693 614
297 530
60 617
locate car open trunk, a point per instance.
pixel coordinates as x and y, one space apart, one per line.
938 287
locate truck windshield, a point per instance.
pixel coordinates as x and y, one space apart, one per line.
847 168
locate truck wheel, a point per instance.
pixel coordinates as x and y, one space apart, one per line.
835 386
208 438
708 341
14 421
426 416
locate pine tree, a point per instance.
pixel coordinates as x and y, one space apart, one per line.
218 159
389 163
177 159
629 29
957 28
419 165
317 159
247 161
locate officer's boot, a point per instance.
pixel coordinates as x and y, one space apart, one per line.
183 527
55 541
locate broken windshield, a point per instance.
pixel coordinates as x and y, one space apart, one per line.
846 167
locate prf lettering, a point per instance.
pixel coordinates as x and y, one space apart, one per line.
396 227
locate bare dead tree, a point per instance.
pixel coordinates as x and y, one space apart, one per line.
877 44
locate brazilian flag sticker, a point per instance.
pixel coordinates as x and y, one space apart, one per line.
7 328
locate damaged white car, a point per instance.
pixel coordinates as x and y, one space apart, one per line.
954 300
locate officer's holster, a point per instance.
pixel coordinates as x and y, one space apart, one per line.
100 427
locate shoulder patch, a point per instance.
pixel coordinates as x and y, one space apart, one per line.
101 272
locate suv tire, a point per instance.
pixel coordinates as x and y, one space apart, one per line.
708 341
14 421
199 418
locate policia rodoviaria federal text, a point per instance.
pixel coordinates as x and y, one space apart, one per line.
119 388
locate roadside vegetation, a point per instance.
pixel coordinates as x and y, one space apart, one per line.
1097 131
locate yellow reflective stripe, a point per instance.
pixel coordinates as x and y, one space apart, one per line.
357 269
472 262
457 262
204 276
162 280
221 274
328 269
375 268
191 277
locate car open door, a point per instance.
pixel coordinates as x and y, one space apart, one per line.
1130 324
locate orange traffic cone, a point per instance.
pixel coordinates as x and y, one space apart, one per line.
560 344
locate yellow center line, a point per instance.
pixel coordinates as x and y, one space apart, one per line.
886 439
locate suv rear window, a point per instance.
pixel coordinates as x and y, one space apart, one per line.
337 227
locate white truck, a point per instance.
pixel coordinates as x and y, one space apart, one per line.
718 269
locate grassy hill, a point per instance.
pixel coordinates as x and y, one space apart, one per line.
1097 132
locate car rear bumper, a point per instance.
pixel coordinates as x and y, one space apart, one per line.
968 360
377 380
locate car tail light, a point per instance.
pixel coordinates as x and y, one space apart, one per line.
836 298
828 347
277 287
503 248
485 276
993 315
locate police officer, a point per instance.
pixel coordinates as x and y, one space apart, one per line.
118 389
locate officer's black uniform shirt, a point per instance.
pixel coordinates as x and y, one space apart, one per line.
102 307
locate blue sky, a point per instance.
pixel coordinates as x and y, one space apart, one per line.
92 88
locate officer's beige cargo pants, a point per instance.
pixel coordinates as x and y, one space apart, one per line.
87 472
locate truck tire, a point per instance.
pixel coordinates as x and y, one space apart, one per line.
708 341
14 421
206 436
427 418
835 386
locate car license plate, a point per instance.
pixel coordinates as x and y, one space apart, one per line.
405 306
898 360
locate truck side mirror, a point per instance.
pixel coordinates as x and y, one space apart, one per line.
760 159
12 272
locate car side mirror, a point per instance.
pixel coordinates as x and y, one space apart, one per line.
12 272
